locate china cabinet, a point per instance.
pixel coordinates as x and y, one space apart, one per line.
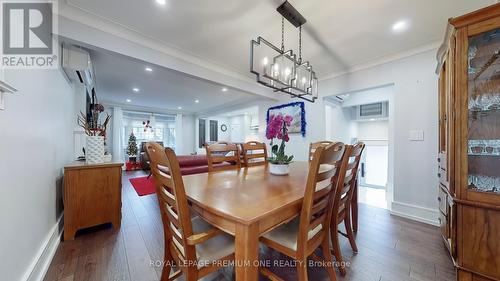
469 143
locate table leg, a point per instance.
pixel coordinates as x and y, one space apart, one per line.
247 252
354 208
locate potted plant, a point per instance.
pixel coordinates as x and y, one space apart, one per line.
96 134
277 128
132 148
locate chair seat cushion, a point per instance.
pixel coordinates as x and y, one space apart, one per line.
213 249
286 234
190 170
192 160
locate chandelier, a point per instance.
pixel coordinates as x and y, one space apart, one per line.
281 70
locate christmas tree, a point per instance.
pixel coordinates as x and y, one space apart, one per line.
132 145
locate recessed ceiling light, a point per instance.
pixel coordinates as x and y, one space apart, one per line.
135 90
224 89
161 2
148 69
179 107
399 26
196 101
128 100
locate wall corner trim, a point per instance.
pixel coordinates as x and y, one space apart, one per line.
416 213
40 264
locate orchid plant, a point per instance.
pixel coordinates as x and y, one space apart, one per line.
277 128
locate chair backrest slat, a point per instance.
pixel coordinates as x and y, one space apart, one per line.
221 152
347 179
254 153
314 145
318 197
173 203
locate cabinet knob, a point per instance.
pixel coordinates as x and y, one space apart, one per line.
439 220
439 175
439 199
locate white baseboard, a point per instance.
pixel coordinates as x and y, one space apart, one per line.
417 213
38 268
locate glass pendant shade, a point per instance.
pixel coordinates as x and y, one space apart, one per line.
283 69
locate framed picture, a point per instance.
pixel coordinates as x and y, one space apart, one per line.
294 109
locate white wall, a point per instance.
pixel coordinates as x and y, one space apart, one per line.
36 142
339 124
372 130
188 135
414 107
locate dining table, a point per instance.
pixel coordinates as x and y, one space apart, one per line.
247 203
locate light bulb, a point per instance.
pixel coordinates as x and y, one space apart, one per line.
287 71
265 61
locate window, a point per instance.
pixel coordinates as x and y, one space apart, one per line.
201 133
214 132
163 128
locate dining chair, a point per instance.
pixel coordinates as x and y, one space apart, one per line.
254 153
191 243
342 201
223 156
300 237
314 145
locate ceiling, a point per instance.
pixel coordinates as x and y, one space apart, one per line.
161 89
339 35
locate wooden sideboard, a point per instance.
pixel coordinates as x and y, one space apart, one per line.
469 143
92 196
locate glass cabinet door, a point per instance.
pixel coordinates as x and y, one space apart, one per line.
484 112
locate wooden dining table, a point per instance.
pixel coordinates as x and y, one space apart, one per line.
246 203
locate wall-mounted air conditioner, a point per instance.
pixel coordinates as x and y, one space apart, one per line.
372 111
78 66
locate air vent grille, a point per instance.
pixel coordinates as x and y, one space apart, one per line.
368 110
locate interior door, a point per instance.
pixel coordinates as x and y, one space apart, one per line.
374 164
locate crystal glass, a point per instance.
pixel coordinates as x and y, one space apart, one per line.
484 114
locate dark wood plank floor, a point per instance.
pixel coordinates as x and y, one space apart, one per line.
390 248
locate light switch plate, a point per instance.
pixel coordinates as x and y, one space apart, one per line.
416 135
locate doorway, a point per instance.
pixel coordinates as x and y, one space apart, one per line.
367 116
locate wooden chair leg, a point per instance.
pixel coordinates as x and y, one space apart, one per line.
336 249
167 267
350 234
354 207
302 269
328 260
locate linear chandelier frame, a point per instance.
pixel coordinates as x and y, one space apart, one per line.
279 69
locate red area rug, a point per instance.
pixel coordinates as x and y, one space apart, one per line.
143 185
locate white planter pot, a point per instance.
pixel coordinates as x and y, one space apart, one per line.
279 170
94 150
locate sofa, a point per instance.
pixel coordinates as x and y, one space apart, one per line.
196 164
143 156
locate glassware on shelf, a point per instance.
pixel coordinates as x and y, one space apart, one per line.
484 183
484 147
472 55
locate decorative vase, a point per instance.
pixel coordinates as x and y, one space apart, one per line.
279 169
108 158
94 150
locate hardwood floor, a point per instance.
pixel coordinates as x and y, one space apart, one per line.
390 248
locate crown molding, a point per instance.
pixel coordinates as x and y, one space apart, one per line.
384 60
